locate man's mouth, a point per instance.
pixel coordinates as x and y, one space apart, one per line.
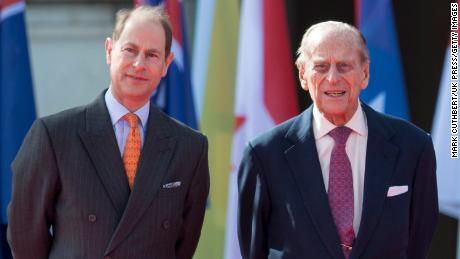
135 77
335 93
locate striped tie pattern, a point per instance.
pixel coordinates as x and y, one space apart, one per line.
132 150
340 192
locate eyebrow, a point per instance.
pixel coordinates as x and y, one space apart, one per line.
319 61
154 50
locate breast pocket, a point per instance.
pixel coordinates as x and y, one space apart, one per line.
398 199
168 192
395 219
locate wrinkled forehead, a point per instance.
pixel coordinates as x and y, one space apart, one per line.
332 43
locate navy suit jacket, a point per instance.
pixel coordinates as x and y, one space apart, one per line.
283 204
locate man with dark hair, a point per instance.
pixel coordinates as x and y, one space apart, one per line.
116 178
340 180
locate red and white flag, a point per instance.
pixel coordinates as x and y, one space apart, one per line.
265 90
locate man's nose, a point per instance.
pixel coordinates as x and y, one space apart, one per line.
332 75
139 62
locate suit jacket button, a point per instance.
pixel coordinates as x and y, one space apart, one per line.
92 218
166 224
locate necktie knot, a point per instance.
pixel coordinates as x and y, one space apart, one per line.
340 134
131 118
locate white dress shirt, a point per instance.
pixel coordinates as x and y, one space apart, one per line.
121 126
355 148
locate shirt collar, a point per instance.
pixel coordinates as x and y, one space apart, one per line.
322 126
117 110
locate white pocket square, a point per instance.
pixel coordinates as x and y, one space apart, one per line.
397 190
171 185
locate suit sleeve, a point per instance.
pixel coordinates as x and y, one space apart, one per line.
424 205
195 207
31 210
253 207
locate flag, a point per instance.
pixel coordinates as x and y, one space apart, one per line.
214 70
447 167
265 89
204 25
447 172
174 94
386 91
448 175
17 107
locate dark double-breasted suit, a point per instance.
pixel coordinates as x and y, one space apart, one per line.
283 204
71 197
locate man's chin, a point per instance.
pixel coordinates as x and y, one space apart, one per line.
338 115
137 96
334 111
138 90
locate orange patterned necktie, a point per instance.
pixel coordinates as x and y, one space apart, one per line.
132 149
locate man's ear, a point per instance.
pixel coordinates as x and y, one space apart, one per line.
366 75
303 81
108 50
168 61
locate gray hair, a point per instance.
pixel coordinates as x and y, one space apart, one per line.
337 26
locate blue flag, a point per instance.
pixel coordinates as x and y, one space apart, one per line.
17 107
386 91
174 95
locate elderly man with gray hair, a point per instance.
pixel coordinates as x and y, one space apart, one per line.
340 180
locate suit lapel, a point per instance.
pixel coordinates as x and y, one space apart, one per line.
381 157
303 161
155 157
100 143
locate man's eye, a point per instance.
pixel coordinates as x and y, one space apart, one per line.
129 50
344 67
321 67
152 55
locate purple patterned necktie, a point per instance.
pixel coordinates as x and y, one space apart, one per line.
340 191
